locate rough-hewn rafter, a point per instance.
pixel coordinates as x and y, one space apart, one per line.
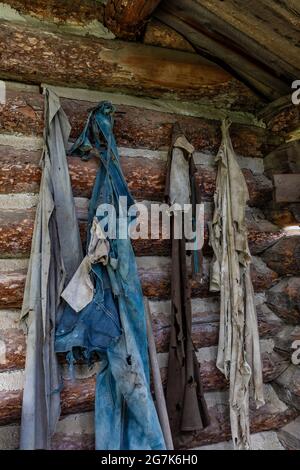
126 18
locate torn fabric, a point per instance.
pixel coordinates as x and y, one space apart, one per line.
238 350
55 255
80 290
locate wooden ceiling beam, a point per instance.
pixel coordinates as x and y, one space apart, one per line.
35 56
217 49
126 19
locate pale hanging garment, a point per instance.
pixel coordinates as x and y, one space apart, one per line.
55 255
238 350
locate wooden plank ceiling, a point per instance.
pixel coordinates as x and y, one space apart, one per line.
256 40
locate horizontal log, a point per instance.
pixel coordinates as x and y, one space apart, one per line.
273 415
79 395
12 286
145 176
284 299
205 327
12 349
205 330
284 256
16 229
135 126
155 276
75 11
35 56
76 431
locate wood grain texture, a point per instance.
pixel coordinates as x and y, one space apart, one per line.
16 230
35 56
134 126
155 276
73 11
127 19
159 34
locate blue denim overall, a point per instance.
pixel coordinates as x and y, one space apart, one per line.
113 325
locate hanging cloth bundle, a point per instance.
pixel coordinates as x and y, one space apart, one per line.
55 255
185 400
238 350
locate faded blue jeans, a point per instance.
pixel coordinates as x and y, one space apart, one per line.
124 410
113 325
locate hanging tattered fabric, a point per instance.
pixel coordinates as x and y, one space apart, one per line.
185 400
238 350
106 317
55 255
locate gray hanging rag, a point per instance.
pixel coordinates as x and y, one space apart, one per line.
55 255
238 350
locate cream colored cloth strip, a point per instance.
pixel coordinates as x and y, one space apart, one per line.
80 290
238 350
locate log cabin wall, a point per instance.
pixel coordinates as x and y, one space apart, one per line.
147 106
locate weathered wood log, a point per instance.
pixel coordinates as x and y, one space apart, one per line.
35 56
16 230
135 126
205 327
145 177
13 349
284 256
128 19
210 44
284 299
155 275
74 11
260 187
77 431
205 331
70 437
259 31
159 34
12 286
79 395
